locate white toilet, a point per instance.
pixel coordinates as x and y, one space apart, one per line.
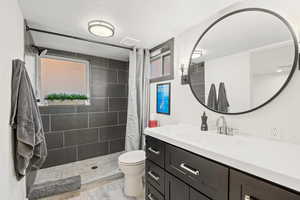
132 164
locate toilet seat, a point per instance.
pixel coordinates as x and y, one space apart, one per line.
132 158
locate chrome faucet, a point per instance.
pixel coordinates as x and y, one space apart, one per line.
224 128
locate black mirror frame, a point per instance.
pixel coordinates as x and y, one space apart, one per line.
295 64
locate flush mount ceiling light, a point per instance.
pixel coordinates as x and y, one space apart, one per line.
101 28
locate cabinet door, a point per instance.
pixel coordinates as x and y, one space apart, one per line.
195 195
175 189
244 187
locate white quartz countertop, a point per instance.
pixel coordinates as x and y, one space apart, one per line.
271 160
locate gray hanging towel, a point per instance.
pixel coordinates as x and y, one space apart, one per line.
26 122
212 98
223 103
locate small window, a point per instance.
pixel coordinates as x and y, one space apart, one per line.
161 61
59 75
166 64
156 69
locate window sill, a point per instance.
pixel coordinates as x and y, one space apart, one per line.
162 78
65 103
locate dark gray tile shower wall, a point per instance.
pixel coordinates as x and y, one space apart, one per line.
79 132
198 77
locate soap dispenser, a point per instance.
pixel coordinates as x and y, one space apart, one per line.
204 126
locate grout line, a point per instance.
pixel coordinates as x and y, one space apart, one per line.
116 139
64 139
109 83
97 127
108 102
60 148
82 129
98 97
118 97
118 118
118 81
108 146
77 152
50 126
99 135
76 146
85 113
123 70
88 119
89 143
104 68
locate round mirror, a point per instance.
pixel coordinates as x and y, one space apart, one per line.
243 61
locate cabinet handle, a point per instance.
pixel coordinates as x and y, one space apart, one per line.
248 197
189 169
151 174
150 196
153 151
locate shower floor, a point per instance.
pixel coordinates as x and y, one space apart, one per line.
91 170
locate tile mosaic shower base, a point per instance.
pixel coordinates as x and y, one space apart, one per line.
94 169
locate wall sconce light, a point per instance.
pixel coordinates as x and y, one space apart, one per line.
184 76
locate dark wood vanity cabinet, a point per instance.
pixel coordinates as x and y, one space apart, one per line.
245 187
176 174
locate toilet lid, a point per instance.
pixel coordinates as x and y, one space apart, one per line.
132 157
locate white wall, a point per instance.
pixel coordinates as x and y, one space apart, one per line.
231 70
265 80
30 61
266 85
12 46
282 113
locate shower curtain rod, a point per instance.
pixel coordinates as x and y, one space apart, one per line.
76 38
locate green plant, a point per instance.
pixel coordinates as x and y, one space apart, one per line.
64 96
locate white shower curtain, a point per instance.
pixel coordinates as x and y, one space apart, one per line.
138 98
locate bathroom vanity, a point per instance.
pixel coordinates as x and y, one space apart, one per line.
184 163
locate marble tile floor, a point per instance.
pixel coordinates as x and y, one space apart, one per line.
107 190
106 168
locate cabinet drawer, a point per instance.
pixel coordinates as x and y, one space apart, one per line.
244 187
155 151
195 195
152 193
156 176
204 175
